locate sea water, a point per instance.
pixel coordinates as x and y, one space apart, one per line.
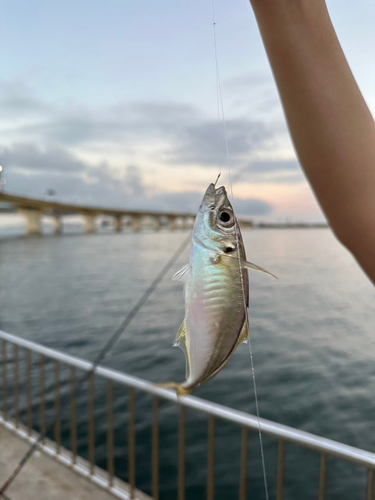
312 335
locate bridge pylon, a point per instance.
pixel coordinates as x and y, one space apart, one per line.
33 220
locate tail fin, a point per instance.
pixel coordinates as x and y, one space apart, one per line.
179 388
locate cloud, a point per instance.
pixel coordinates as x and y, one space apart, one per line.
204 142
95 185
274 166
47 152
77 126
249 80
99 185
76 129
31 170
275 171
182 134
134 182
27 157
256 94
160 114
17 100
251 206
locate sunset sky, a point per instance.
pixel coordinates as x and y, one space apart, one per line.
114 103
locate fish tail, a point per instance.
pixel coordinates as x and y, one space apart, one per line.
179 388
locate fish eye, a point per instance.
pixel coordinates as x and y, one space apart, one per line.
229 249
226 218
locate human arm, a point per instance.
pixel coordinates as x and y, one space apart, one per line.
330 124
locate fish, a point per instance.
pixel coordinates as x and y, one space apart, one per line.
216 290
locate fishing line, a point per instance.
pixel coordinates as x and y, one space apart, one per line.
107 347
239 254
219 99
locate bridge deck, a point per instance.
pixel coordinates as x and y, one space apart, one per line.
46 479
52 205
42 477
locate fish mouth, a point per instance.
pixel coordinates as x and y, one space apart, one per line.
214 197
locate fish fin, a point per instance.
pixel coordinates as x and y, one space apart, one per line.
179 388
244 335
182 274
181 336
250 265
180 342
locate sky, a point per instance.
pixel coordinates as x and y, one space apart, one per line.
115 104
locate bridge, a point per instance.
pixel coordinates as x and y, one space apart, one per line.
33 209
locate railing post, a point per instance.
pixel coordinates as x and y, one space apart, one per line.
370 493
280 470
211 458
181 453
110 435
91 411
323 477
5 379
73 414
132 442
42 389
155 449
28 391
57 407
244 462
16 385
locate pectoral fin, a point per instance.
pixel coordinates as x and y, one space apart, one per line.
182 274
250 265
180 341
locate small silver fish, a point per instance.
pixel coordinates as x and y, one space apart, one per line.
216 292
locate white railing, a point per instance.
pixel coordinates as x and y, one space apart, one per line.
284 434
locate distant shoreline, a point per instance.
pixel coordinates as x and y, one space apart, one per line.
300 225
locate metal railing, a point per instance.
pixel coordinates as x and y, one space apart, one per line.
10 350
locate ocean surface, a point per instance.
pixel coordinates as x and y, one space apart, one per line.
313 340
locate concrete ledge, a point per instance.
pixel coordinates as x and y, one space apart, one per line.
46 479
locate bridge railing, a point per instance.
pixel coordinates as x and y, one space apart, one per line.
30 401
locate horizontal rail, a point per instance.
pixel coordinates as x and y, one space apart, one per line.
306 439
